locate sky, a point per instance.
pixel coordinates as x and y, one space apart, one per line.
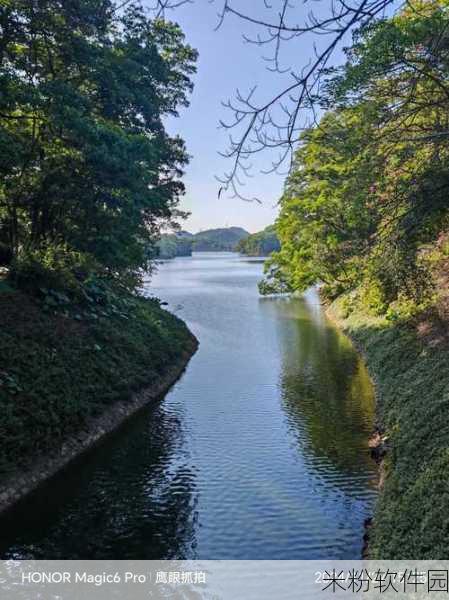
225 63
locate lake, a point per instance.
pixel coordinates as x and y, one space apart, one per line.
259 451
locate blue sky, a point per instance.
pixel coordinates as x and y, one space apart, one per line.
225 63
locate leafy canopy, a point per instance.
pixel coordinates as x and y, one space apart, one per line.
368 194
87 171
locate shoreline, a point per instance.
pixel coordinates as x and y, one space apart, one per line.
27 480
408 361
376 440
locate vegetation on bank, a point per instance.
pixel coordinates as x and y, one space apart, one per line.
63 363
173 245
89 178
409 361
365 214
366 201
262 243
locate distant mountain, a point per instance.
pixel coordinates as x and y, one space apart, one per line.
262 243
175 244
218 240
182 243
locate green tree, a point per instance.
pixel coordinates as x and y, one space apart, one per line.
327 220
368 192
261 243
87 169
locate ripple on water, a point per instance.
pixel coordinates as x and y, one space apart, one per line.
259 451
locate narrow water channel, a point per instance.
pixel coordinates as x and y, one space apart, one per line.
258 452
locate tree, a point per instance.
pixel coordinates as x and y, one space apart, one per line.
326 220
368 192
261 243
87 168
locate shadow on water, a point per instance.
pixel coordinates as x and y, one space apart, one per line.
258 452
130 498
326 390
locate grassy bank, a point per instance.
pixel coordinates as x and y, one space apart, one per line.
62 366
411 372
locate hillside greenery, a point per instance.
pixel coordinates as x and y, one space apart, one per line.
88 173
261 243
411 372
364 215
183 243
367 199
219 240
62 365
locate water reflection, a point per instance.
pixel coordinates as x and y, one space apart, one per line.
258 452
326 390
131 499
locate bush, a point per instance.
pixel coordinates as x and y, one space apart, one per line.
59 370
372 297
55 267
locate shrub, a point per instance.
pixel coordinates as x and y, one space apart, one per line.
54 267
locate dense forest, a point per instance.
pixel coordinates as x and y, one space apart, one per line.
261 243
365 207
183 243
88 173
172 245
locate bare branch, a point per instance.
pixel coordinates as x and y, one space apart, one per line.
160 7
277 123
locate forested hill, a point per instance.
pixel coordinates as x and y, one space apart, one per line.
222 240
211 240
261 243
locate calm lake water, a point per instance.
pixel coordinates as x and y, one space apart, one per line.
258 452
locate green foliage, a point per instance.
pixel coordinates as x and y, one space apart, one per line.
368 192
85 161
275 282
55 266
62 364
170 246
411 379
326 219
262 243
